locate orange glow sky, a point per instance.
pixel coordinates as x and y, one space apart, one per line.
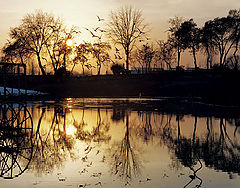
83 13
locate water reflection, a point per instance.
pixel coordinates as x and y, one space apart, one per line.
125 159
43 137
16 145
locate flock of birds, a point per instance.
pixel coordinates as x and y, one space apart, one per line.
97 175
97 29
98 33
85 159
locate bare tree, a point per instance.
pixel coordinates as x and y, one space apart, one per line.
126 25
34 31
57 47
82 51
144 56
15 52
165 53
99 52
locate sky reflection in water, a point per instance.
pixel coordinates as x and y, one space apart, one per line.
94 143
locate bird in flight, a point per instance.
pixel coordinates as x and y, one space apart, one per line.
87 29
101 30
100 19
96 29
93 35
76 31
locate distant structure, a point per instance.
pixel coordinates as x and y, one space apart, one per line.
10 75
142 70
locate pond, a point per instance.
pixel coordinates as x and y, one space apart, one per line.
117 143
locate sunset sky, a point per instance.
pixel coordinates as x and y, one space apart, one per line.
83 13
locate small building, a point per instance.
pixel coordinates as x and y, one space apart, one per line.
142 70
10 74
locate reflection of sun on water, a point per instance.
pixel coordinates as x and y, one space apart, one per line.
71 130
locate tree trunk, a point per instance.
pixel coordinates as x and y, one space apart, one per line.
83 69
64 60
52 59
194 58
40 64
74 64
194 130
235 56
127 60
226 53
99 69
21 58
208 58
168 65
179 55
220 60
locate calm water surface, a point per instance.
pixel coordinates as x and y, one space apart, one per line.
112 143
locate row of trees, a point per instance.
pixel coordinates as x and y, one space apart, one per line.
44 37
218 37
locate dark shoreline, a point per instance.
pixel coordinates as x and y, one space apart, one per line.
211 87
177 106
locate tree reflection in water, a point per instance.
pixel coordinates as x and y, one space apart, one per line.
125 159
52 144
217 151
98 132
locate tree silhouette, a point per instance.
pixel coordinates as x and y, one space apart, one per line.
235 34
34 31
221 29
100 53
144 55
207 43
82 52
15 51
166 53
175 24
57 47
189 36
126 25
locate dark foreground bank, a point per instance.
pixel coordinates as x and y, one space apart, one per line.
213 87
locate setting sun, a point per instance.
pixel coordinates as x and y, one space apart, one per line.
69 42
